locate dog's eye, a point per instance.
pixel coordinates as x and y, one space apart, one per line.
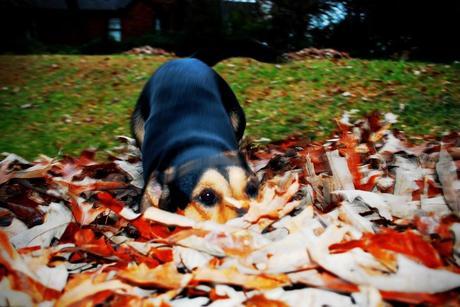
207 197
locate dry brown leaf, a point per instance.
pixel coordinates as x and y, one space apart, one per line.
163 276
233 277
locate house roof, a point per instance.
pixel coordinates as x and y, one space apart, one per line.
93 5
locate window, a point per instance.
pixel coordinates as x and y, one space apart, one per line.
115 29
157 24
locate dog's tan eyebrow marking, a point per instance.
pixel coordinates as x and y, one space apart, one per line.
238 181
212 179
232 202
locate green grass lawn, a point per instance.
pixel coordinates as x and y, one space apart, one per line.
51 104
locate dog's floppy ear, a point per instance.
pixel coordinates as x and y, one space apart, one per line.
159 189
154 193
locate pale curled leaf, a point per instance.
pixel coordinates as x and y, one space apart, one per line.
271 204
408 171
56 221
168 218
186 302
134 170
38 170
362 268
286 255
310 297
88 287
447 173
163 276
234 277
368 296
351 213
342 176
401 205
16 227
84 211
436 205
371 199
11 297
53 278
220 240
190 258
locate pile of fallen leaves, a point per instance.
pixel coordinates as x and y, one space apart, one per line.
362 219
315 53
149 50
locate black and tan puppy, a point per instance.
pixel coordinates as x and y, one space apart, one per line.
187 123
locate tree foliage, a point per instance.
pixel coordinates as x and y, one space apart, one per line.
411 28
289 20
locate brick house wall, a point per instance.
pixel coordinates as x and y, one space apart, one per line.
137 20
77 26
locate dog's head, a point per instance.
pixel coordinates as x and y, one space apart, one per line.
217 188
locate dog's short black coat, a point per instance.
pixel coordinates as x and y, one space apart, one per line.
187 118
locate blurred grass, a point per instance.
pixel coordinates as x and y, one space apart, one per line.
56 103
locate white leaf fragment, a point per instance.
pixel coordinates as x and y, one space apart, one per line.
362 268
408 171
190 258
371 199
286 255
339 167
168 218
309 297
11 297
56 221
54 278
447 173
134 170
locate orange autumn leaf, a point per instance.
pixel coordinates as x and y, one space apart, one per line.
148 230
349 143
86 285
110 202
6 245
86 240
163 276
234 277
96 299
213 295
155 257
128 255
10 260
440 299
34 289
86 158
84 213
445 243
164 255
259 300
127 300
348 149
335 283
101 185
380 244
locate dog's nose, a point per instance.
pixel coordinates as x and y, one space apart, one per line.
232 202
241 207
241 212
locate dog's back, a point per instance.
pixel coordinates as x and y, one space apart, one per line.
184 120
